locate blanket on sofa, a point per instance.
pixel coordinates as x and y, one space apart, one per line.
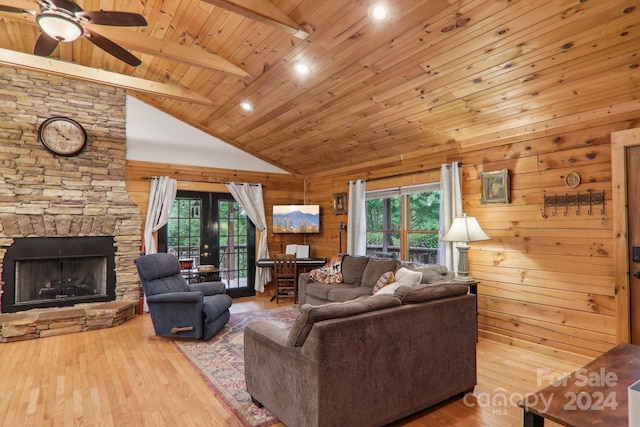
331 272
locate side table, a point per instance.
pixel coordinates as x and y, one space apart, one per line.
473 289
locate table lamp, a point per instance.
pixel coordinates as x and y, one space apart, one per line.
465 229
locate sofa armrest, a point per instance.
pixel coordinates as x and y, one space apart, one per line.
303 279
270 333
208 288
277 375
177 314
173 297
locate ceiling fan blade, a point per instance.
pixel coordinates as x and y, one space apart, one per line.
121 19
60 4
15 10
45 45
111 48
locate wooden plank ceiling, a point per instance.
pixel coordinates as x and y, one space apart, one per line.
436 75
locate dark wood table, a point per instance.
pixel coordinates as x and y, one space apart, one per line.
303 265
594 395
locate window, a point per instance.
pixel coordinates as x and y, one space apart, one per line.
403 222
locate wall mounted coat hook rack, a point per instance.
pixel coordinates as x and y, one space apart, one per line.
564 201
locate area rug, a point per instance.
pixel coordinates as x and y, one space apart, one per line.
221 363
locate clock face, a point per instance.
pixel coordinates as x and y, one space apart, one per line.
62 136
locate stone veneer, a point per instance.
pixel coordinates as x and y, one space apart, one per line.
43 195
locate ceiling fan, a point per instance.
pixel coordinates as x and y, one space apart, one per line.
60 21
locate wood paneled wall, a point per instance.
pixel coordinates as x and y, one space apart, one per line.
546 283
277 188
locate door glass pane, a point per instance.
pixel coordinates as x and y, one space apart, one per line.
183 230
232 240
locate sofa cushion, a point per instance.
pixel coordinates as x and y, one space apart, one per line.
321 290
430 272
375 268
341 293
310 314
404 276
352 269
426 292
384 280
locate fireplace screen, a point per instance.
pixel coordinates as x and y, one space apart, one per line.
43 272
62 278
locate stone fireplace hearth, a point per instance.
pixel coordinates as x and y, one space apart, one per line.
44 195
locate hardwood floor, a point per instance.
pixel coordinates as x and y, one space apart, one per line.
124 376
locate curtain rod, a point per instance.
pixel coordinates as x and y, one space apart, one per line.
149 178
399 175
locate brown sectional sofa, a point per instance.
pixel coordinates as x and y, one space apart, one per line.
359 276
366 362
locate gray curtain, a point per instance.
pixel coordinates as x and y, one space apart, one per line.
249 196
450 208
162 193
357 218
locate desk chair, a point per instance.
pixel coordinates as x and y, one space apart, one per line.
286 276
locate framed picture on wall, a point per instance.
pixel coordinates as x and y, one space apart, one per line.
495 186
339 203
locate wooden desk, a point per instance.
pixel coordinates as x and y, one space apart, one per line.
302 264
594 395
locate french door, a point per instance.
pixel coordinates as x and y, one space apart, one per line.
212 229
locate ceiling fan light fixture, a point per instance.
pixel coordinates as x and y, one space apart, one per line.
59 27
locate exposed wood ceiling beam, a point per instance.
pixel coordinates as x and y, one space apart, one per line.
150 45
262 11
173 51
80 72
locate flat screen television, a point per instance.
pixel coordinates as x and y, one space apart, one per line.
296 218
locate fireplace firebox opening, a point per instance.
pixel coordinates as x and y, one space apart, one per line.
43 272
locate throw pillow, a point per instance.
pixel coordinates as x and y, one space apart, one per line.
331 272
389 289
384 280
404 276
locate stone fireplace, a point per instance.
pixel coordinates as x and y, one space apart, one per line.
43 196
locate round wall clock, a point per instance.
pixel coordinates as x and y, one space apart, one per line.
62 136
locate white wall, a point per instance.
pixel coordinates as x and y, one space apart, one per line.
154 136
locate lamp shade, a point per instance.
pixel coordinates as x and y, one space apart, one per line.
465 229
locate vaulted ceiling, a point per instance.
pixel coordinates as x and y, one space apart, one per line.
436 75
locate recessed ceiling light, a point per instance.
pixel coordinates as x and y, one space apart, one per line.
246 106
301 68
378 12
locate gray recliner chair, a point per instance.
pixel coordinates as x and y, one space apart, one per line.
180 310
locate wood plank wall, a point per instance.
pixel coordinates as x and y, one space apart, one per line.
277 188
546 283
